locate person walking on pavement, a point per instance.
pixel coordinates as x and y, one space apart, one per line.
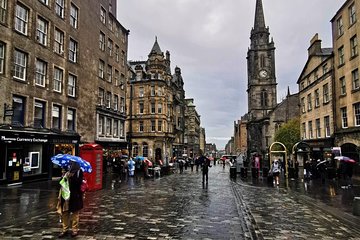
131 167
275 169
70 206
205 164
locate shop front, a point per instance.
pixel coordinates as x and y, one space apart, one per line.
111 151
25 154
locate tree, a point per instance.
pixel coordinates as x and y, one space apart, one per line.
289 134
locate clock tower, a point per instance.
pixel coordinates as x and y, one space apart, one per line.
262 84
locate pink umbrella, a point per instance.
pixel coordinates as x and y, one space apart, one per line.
345 159
148 162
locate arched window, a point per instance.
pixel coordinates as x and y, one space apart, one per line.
135 149
264 98
262 61
145 150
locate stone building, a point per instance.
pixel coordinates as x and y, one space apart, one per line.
211 150
316 99
192 130
345 32
240 136
51 70
202 139
155 107
262 94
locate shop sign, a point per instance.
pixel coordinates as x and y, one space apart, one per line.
21 139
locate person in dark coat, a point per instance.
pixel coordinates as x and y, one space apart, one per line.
70 208
205 164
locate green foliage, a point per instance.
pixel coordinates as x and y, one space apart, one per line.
289 134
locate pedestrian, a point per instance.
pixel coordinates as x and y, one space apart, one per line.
131 167
192 162
71 203
181 165
348 173
307 169
214 161
296 169
205 164
197 163
275 170
224 161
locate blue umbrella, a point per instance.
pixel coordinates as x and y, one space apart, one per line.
139 158
63 160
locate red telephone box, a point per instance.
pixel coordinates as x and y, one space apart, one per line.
93 153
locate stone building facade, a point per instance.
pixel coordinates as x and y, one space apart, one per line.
155 107
345 35
240 136
316 100
202 140
192 130
49 73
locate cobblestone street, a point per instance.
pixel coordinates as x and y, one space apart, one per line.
173 207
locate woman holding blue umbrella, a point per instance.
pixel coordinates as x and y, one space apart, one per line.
71 205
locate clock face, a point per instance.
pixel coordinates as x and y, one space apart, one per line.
263 73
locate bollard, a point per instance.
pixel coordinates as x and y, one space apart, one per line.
356 206
233 172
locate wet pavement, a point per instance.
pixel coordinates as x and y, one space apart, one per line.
179 206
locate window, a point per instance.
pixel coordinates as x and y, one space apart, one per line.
3 11
353 46
264 98
103 15
153 127
111 23
141 107
135 149
2 58
71 115
101 69
159 108
341 55
101 125
116 102
56 117
122 81
309 102
109 73
326 93
141 92
59 41
116 128
357 114
318 129
102 41
159 125
39 114
325 68
72 85
159 93
152 91
304 130
122 129
342 86
108 99
310 129
74 15
101 96
303 110
59 8
40 72
117 77
18 104
152 107
117 52
110 7
108 127
41 31
21 19
145 150
110 46
344 121
141 126
20 64
46 2
123 60
355 79
352 14
340 26
317 98
327 126
302 86
122 105
58 79
73 46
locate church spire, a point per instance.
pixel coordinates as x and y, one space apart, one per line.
156 48
259 22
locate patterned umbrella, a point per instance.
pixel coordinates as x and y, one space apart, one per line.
63 160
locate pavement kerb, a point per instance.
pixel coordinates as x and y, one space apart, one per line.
352 221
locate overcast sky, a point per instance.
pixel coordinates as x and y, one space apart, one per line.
208 40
